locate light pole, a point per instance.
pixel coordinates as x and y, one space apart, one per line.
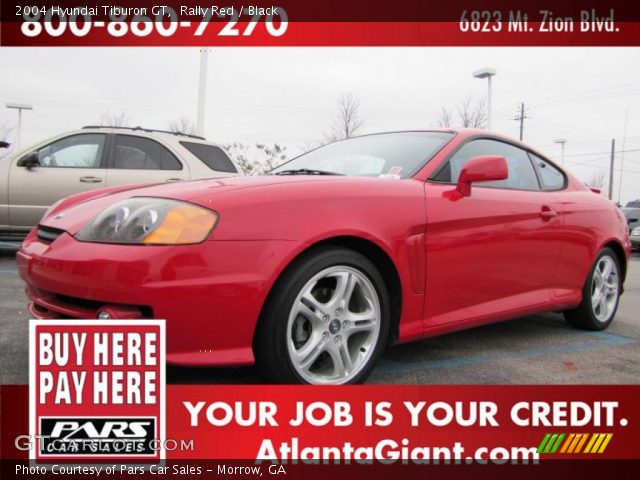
561 141
20 107
486 73
202 90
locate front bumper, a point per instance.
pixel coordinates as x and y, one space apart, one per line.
209 294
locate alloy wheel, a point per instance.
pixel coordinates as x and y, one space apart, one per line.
605 288
333 326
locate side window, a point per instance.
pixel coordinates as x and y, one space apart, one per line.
139 153
212 156
522 175
76 151
550 177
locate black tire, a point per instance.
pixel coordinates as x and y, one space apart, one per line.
270 343
584 316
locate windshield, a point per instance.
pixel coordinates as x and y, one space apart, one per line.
388 155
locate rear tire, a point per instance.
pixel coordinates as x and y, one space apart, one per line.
600 294
326 321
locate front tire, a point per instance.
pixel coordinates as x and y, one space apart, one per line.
326 322
600 294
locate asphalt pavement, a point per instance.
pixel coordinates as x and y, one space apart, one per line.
539 349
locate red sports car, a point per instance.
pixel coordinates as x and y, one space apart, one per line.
312 270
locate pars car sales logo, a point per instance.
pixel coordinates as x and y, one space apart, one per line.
97 389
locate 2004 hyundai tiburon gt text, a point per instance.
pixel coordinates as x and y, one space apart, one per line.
312 270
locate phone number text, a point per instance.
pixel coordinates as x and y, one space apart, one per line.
163 20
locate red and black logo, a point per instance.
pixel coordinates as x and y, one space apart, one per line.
97 389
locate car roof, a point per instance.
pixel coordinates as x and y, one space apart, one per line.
464 133
164 134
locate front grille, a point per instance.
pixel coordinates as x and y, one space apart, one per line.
48 234
78 302
83 303
51 305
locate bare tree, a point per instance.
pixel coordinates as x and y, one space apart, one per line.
6 130
597 179
237 151
472 114
468 114
256 161
183 125
347 122
115 120
272 156
445 119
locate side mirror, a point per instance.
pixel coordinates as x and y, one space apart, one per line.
484 168
29 161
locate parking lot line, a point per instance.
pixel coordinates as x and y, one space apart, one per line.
610 337
603 340
8 271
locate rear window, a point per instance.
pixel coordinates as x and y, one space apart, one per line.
551 178
212 156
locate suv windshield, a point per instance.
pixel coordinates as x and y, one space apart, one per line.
392 155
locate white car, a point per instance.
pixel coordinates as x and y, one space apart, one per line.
93 157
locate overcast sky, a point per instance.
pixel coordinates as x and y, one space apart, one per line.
288 95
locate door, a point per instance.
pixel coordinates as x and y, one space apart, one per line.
135 159
494 251
581 209
66 166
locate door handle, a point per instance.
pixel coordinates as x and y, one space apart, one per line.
547 213
90 179
173 180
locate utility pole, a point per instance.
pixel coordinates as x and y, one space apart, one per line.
624 144
613 152
521 118
202 90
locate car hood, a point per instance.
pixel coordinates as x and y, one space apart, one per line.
202 192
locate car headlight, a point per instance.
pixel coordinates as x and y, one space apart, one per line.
636 232
150 221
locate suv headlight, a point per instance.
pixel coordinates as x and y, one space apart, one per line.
150 221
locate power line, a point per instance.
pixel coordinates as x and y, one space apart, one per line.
588 92
564 125
590 142
626 89
605 167
602 153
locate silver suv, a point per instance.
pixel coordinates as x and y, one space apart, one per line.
95 157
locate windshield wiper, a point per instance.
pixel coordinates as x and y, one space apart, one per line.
306 171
